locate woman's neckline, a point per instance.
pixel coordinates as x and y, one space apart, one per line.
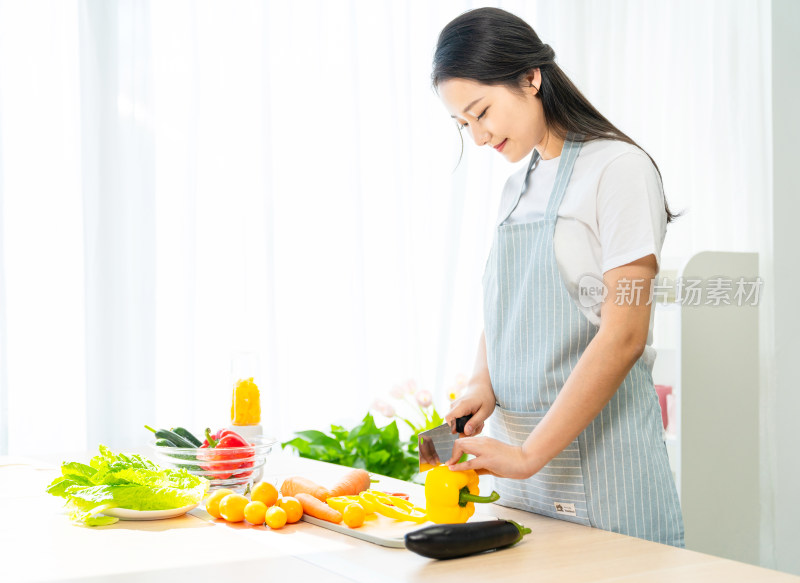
550 160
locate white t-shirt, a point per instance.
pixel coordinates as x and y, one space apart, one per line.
612 214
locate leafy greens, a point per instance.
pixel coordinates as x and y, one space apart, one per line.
123 481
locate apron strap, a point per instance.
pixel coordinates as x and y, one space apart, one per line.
568 155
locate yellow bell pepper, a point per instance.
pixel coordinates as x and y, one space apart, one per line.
341 502
392 507
385 504
450 496
246 406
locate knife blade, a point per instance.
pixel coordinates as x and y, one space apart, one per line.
436 445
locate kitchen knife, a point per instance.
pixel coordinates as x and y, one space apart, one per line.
436 445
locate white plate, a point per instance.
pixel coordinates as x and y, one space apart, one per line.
127 514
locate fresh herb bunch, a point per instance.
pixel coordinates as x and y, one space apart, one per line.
376 449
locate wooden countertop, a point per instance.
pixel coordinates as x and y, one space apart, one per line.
39 543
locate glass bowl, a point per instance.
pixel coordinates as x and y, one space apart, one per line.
229 467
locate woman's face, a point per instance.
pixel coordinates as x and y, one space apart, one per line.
496 116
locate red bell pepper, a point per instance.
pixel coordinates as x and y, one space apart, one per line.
224 463
222 433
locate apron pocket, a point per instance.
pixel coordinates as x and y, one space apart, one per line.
557 490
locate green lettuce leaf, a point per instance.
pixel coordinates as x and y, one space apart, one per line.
162 498
77 471
123 481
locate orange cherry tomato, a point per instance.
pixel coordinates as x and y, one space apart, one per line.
265 492
354 515
213 500
276 517
292 507
231 507
254 512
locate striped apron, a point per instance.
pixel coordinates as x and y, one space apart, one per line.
615 475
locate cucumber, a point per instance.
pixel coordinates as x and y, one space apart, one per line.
448 541
166 438
187 435
176 439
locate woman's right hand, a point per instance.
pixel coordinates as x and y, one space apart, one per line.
477 400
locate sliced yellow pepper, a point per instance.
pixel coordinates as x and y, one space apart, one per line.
367 502
384 504
340 502
393 507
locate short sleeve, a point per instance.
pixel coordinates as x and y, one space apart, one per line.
631 218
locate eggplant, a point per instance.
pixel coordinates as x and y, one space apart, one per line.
449 541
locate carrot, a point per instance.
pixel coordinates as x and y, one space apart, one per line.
297 484
314 507
352 483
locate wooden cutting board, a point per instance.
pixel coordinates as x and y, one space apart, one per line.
384 531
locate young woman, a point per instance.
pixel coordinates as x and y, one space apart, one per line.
563 369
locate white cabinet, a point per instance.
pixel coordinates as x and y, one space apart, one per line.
708 350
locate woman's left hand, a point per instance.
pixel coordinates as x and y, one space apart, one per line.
491 457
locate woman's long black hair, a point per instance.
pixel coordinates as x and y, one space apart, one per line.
494 47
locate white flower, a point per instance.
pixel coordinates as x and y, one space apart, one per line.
398 391
424 398
383 408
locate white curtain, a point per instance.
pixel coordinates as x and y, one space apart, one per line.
183 180
43 326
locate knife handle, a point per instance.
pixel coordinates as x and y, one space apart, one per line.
461 422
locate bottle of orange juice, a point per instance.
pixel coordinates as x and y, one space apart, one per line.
246 405
245 398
